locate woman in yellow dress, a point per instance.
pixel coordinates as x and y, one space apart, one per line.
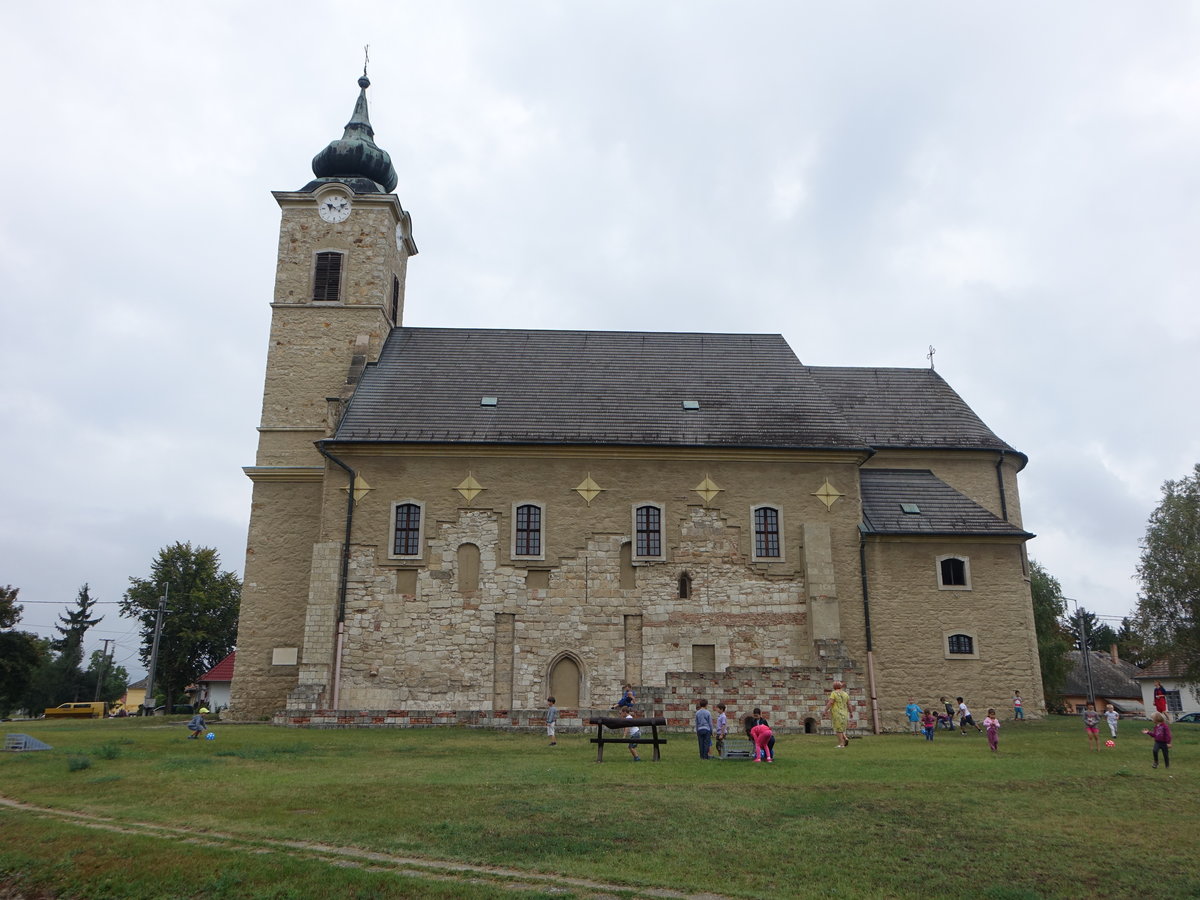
839 704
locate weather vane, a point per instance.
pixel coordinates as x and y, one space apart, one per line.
366 58
929 355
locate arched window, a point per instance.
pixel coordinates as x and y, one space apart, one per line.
527 530
647 526
954 573
767 544
960 645
406 529
565 681
327 276
685 586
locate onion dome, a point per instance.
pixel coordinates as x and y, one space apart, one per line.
356 160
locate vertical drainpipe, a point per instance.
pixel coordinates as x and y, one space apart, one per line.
862 566
1000 485
345 574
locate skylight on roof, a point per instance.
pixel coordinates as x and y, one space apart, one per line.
910 509
489 401
691 404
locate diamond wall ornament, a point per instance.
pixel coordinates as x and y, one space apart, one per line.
588 489
707 489
469 488
828 494
361 488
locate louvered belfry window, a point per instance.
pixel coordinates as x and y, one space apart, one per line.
327 276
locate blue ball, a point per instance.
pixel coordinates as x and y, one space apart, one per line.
210 737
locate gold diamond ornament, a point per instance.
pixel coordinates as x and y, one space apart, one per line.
828 494
469 488
588 489
707 489
361 488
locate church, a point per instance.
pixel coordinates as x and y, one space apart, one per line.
450 525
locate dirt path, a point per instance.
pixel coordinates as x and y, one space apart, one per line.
442 870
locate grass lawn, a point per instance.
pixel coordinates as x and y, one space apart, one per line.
131 808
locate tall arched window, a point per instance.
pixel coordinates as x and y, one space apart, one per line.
406 530
527 530
685 586
767 543
647 526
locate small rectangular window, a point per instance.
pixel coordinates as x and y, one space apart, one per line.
327 277
961 644
649 531
953 572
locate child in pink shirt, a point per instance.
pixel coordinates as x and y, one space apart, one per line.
992 725
761 734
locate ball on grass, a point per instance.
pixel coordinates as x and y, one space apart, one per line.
212 737
1110 743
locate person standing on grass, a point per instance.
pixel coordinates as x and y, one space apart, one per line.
551 720
928 724
1161 732
633 733
913 711
761 735
837 707
704 728
992 724
1111 716
1160 698
722 729
965 718
1091 721
1018 706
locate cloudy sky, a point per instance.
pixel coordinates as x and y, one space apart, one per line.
1015 185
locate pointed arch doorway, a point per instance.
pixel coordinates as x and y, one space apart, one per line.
565 680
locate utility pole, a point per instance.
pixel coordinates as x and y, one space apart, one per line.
1083 649
148 703
105 658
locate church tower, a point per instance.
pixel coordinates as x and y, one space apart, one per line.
344 245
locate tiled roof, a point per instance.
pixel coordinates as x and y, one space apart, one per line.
629 388
222 671
1160 668
939 508
1109 679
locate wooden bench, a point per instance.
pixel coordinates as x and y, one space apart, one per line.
617 723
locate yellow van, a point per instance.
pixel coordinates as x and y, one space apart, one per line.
95 710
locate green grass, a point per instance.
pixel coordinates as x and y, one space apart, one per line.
892 816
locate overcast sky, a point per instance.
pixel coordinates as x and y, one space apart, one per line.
1015 185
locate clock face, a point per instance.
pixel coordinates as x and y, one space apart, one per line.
334 208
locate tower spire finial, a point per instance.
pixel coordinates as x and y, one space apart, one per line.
366 58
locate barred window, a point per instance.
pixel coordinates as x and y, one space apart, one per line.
766 532
648 525
528 536
407 540
327 276
961 643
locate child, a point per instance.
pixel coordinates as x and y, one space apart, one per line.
633 733
992 724
627 698
1111 714
722 730
1091 721
1161 732
704 728
928 723
196 726
913 711
965 718
551 720
948 719
1018 706
761 735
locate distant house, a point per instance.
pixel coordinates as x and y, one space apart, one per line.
135 696
214 684
1181 697
1112 681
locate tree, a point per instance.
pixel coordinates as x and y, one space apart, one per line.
113 679
1053 640
21 653
1168 610
1099 635
1131 646
200 622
